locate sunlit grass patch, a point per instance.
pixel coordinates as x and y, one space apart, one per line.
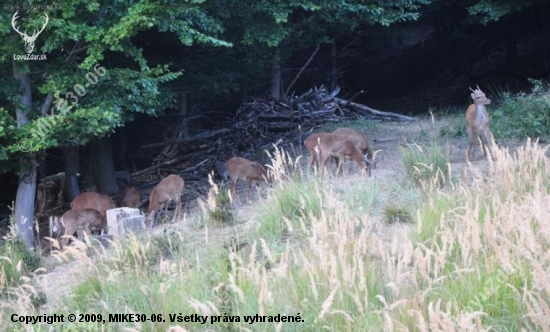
426 165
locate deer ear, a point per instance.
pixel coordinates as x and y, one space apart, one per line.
473 96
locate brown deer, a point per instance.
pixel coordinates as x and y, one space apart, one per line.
168 190
244 169
361 143
85 220
312 145
93 200
477 123
130 198
341 147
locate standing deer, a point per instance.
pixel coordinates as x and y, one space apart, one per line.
361 143
341 147
130 198
244 169
85 220
168 190
477 124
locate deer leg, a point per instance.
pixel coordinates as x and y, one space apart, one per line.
152 216
340 165
178 208
232 189
248 185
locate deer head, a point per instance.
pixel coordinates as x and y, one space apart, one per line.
29 40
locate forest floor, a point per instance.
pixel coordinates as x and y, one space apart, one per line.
61 277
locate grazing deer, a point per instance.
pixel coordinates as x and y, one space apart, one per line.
341 147
244 169
168 190
312 145
130 198
477 123
361 143
85 220
93 200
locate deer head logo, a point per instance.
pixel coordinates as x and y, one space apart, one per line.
29 41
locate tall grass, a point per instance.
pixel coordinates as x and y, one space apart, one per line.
426 165
15 262
478 261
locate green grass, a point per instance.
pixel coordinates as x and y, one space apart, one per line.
290 206
394 213
426 165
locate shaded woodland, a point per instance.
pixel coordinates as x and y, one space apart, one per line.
185 90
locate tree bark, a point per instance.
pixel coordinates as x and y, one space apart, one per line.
276 74
26 190
104 169
70 159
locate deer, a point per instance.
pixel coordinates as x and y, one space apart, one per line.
85 220
312 145
166 191
93 200
361 143
250 171
130 198
477 123
341 147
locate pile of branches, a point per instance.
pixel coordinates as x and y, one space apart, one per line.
258 125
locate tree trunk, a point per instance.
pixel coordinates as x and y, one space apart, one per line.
332 79
104 170
24 201
70 158
276 74
26 190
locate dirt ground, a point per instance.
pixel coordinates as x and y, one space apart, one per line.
387 137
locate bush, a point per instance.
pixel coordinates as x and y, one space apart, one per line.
394 213
524 115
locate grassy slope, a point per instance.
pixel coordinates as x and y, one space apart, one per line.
335 250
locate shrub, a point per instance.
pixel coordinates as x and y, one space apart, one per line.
524 115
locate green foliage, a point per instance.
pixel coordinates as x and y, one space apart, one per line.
523 115
16 262
426 165
79 36
494 10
